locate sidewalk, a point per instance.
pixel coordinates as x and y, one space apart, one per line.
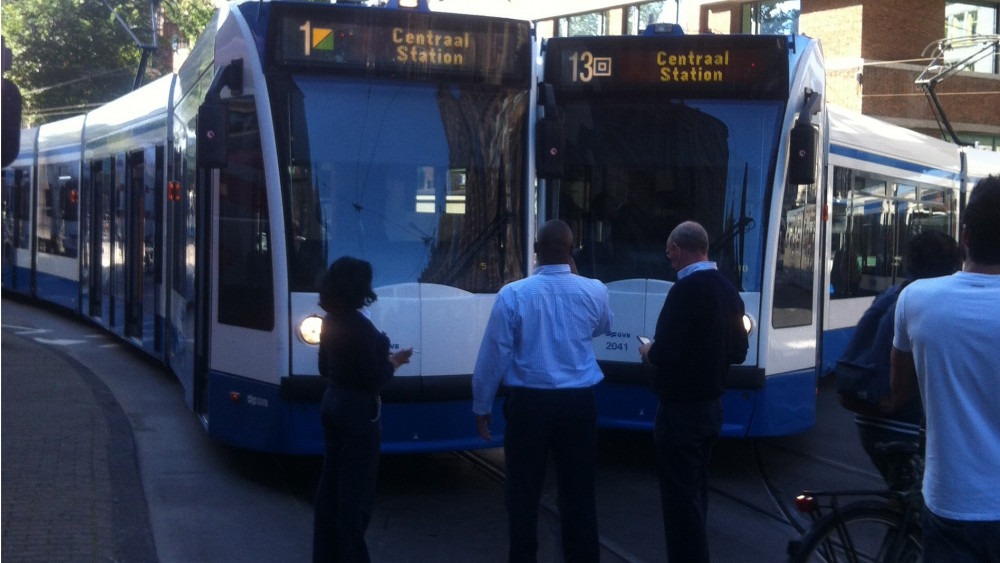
71 489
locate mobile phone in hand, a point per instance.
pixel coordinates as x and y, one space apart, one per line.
644 340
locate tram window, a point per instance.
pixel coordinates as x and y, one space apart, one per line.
399 176
15 210
636 168
58 216
17 214
921 209
795 271
874 217
862 252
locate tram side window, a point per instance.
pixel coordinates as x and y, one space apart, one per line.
921 208
246 287
17 208
796 265
845 267
863 247
58 206
874 217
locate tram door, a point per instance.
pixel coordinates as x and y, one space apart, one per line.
144 171
133 227
99 236
17 229
114 263
242 320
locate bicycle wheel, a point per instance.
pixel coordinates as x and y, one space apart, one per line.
867 531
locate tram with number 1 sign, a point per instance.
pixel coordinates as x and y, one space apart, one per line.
196 216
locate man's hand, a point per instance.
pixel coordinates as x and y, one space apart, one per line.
644 352
483 423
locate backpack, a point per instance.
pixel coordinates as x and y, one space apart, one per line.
863 371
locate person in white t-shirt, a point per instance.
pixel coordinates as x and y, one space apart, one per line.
947 344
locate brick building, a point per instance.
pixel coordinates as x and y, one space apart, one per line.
876 49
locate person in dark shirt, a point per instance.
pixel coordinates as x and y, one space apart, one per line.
354 357
699 333
930 254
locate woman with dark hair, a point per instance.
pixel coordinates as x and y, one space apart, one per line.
354 356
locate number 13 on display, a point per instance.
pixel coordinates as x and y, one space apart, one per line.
586 66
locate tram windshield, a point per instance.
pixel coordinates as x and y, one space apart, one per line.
424 180
636 167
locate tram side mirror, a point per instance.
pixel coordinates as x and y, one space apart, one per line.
213 122
10 122
802 154
549 142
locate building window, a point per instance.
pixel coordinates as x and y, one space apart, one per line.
771 18
594 23
969 19
641 15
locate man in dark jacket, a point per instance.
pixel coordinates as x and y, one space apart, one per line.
699 333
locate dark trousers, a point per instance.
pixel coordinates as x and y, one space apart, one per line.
562 422
899 470
960 541
345 496
684 434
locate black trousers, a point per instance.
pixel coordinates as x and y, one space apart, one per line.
345 496
684 434
562 422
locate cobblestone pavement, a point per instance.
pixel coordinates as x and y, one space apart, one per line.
70 482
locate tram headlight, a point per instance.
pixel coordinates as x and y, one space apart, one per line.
310 329
747 323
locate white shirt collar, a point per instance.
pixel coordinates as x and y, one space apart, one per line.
696 267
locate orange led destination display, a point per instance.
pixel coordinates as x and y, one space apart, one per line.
400 44
728 66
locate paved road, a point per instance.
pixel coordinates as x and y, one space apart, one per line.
102 461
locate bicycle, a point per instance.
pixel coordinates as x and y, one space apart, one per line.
881 531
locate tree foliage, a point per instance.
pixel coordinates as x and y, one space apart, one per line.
70 55
779 18
191 17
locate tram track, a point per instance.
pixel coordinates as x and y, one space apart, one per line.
780 509
608 546
749 476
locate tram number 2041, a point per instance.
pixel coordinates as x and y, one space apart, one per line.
616 346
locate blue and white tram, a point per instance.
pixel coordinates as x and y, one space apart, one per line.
884 184
195 216
724 130
976 165
808 207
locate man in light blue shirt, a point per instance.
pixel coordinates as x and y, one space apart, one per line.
945 347
539 343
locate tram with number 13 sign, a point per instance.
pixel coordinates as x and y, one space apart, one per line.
640 133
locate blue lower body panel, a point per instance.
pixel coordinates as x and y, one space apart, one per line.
834 344
250 414
60 291
17 279
786 405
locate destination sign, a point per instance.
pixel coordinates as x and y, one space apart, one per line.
689 66
401 44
